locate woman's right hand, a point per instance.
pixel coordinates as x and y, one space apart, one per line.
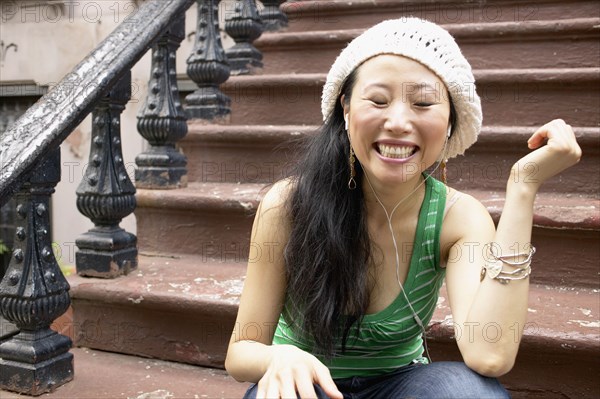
293 370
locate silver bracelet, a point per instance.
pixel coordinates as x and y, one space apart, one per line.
507 279
494 267
519 271
503 258
494 271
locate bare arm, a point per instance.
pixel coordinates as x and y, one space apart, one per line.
490 316
280 370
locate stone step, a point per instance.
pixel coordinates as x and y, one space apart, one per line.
246 154
487 163
566 232
213 222
307 16
184 310
104 375
510 97
562 325
266 153
555 43
176 308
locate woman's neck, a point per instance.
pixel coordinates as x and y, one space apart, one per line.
404 197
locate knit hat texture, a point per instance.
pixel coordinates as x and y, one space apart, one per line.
432 46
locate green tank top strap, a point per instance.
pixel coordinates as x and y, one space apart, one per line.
434 217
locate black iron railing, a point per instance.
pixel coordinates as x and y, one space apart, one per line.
33 291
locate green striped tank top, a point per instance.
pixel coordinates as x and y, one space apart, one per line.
391 338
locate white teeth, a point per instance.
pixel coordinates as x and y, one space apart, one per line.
392 151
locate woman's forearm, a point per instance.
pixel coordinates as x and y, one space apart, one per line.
248 360
499 311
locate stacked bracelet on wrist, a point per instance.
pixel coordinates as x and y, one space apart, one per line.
494 267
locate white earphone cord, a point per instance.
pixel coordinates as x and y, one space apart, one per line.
389 219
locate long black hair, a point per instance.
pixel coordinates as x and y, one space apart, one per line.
329 247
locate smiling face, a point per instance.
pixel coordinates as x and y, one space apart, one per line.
398 118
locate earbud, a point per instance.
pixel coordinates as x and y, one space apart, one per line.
346 120
449 130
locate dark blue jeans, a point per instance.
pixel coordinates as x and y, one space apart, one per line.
435 380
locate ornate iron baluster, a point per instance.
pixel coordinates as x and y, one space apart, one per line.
7 233
273 18
34 292
162 120
244 26
106 194
208 67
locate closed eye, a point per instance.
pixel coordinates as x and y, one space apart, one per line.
378 102
424 104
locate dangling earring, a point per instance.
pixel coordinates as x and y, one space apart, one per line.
445 160
351 159
444 175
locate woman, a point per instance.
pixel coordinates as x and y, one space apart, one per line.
365 236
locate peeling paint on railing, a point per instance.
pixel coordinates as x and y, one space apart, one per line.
48 122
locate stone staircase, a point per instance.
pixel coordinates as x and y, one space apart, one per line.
533 62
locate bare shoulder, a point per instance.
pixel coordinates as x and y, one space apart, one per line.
278 194
275 201
272 216
466 217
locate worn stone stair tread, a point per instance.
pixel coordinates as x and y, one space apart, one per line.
468 32
491 75
177 308
566 232
247 134
510 96
188 284
559 350
505 44
265 153
338 14
344 5
245 83
204 196
551 210
587 137
559 318
105 375
562 324
164 281
241 153
476 31
566 226
205 219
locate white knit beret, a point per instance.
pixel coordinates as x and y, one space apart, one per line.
432 46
